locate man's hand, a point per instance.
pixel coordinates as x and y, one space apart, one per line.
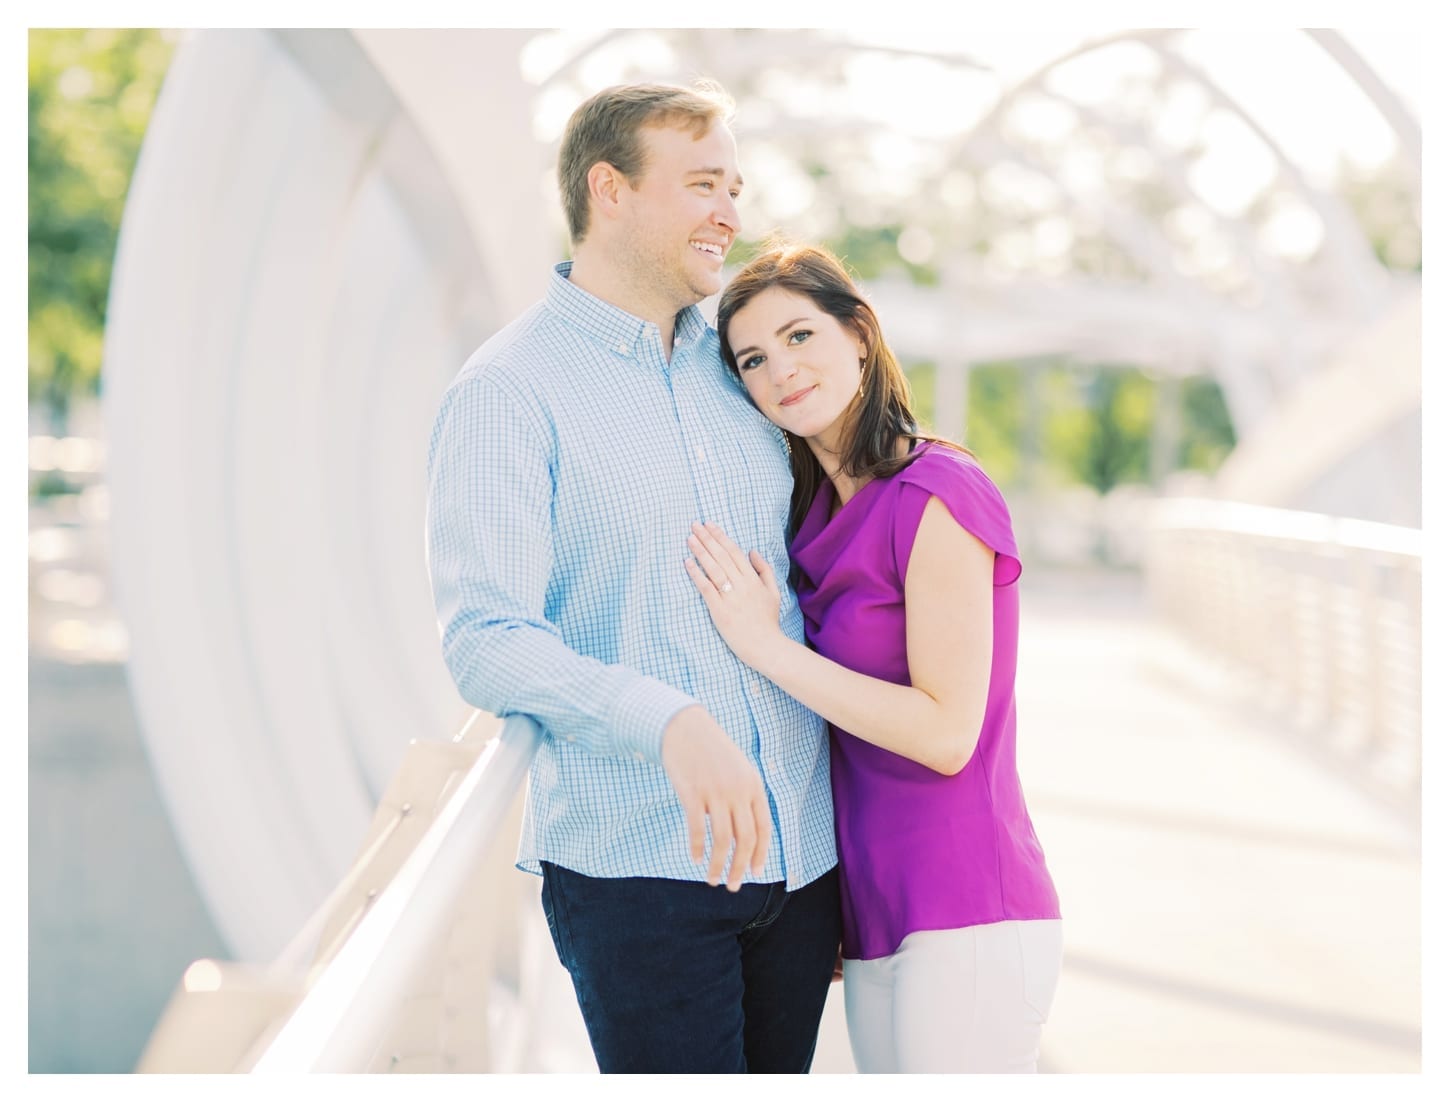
714 780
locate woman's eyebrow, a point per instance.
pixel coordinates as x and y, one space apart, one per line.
751 348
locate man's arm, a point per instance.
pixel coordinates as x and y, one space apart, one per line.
490 554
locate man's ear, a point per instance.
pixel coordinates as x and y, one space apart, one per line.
606 187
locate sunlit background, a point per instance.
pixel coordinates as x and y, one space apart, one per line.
1165 285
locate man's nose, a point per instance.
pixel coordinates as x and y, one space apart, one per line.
727 214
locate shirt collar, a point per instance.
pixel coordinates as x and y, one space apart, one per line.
618 329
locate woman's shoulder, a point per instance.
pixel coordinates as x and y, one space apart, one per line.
939 467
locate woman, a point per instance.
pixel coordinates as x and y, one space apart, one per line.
906 571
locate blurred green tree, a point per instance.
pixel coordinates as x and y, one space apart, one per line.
1385 201
1208 430
1114 425
90 97
996 418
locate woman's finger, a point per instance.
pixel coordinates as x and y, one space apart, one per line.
762 568
724 550
708 589
730 549
716 571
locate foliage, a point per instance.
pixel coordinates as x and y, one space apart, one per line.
871 251
1208 431
91 92
997 418
1385 203
1069 423
1116 418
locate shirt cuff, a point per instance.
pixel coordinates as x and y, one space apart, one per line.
642 714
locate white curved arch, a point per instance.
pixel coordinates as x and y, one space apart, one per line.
294 287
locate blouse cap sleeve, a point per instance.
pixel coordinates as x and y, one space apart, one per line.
970 496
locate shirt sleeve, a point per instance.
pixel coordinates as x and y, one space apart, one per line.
970 496
490 555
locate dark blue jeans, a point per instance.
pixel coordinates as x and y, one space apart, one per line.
674 976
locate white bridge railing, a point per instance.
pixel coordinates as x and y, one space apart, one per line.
1321 616
415 961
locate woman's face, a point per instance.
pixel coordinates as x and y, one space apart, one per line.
801 366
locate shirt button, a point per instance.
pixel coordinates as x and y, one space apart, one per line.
754 689
568 738
638 756
700 451
623 348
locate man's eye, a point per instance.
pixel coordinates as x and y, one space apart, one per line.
708 185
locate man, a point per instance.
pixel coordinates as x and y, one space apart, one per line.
679 807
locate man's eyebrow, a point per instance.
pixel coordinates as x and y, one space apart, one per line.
739 182
751 348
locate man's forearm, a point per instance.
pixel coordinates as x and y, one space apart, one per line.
510 667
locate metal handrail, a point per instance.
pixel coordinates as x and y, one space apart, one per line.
338 1023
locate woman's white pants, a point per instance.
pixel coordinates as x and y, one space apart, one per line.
967 1000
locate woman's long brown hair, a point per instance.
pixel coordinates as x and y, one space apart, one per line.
881 416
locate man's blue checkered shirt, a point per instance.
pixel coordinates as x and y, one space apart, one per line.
567 463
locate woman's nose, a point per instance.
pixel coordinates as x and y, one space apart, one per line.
782 367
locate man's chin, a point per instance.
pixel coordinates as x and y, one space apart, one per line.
707 286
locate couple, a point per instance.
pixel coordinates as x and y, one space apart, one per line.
611 527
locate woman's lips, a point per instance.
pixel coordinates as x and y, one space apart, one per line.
792 399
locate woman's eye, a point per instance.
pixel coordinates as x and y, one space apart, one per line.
752 361
799 333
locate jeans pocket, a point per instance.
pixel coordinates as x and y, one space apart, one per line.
1040 943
